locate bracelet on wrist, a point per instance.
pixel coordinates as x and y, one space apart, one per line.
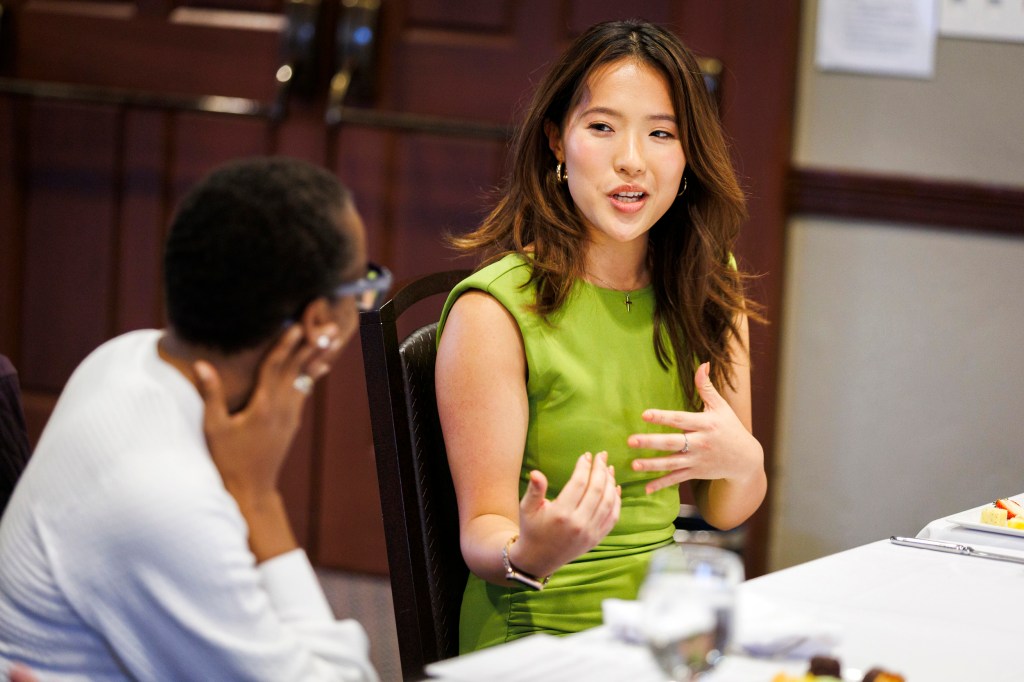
513 573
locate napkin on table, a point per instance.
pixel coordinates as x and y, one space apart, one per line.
763 629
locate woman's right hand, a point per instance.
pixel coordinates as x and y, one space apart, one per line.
554 532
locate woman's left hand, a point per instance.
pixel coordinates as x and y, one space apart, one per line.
713 444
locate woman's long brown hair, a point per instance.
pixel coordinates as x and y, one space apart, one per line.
699 295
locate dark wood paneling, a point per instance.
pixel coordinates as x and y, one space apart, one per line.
444 186
38 405
201 142
350 527
94 50
299 478
273 6
470 16
582 14
901 199
13 129
143 215
69 261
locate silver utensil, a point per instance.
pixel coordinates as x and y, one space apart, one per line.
954 548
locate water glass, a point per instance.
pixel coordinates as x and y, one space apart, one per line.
688 600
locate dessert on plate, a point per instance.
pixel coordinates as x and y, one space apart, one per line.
828 669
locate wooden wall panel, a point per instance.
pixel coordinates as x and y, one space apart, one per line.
363 160
444 186
70 214
350 529
471 16
582 14
83 47
203 141
12 192
921 202
298 476
141 226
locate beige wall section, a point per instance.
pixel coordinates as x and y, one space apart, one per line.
902 382
902 369
966 124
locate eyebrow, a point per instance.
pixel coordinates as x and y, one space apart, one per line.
612 112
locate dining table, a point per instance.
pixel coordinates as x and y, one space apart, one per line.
932 616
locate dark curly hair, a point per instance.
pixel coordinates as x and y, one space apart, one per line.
250 246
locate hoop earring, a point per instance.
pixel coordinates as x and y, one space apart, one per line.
561 174
683 190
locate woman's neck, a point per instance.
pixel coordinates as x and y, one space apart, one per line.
619 266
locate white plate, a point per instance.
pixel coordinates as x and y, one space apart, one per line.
972 519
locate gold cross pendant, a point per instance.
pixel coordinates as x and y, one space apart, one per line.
629 303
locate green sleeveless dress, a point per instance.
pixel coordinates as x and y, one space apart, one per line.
592 372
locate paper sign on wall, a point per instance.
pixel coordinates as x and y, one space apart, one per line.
881 37
983 19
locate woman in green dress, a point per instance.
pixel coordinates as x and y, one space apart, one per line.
599 358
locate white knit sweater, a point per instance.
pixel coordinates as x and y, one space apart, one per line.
122 556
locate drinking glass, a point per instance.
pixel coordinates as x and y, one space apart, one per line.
687 602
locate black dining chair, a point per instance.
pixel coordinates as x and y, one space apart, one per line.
417 498
14 445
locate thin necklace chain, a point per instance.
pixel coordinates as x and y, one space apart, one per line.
628 302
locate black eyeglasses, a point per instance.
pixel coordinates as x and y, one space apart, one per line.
369 289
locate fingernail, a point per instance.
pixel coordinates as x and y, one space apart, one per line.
202 373
603 455
636 465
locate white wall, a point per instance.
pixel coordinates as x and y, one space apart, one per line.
902 369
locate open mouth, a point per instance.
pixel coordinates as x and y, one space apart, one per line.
628 197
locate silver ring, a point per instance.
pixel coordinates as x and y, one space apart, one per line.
303 384
686 444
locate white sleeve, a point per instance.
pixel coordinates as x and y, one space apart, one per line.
164 573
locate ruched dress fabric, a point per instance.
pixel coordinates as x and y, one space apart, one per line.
592 371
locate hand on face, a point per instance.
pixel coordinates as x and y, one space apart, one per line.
249 446
713 444
554 532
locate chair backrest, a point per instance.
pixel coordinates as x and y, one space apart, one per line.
14 447
428 574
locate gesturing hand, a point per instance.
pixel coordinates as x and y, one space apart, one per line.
713 444
554 532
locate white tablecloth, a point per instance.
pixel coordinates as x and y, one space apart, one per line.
928 615
931 616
